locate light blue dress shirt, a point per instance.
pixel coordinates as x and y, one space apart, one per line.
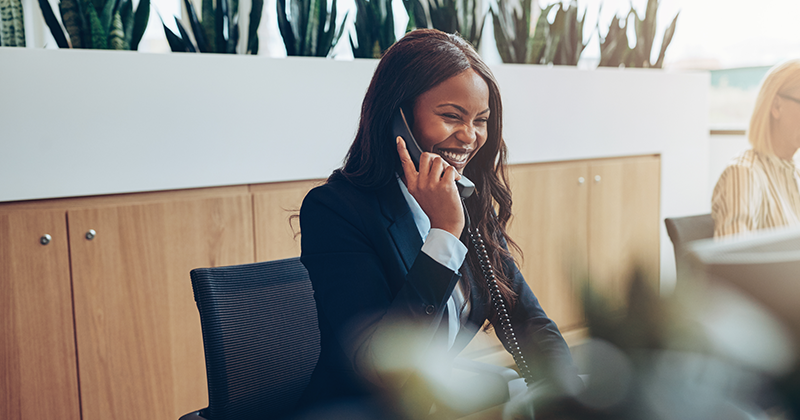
448 251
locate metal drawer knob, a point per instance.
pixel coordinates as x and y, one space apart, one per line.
91 234
45 239
597 178
581 180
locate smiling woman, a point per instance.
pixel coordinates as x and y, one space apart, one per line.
385 243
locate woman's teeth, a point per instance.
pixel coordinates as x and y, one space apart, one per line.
454 157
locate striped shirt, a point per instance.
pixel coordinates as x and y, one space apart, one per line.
756 191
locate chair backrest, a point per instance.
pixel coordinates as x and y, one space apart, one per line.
683 230
260 335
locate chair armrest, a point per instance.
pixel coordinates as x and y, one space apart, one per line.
194 415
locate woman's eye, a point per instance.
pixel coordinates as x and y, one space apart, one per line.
452 116
482 121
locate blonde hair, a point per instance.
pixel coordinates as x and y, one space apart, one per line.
779 80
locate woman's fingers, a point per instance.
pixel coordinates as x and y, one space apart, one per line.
409 169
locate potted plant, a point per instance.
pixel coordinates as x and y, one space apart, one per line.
216 30
311 30
97 24
12 23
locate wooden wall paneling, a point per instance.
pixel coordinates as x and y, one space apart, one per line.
38 372
138 330
273 206
550 226
624 222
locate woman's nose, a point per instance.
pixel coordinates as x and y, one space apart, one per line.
467 134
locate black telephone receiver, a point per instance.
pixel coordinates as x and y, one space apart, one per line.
400 128
465 189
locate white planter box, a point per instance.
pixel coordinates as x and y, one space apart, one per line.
77 123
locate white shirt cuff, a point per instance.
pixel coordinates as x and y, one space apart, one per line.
445 249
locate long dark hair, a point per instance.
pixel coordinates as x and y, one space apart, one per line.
416 63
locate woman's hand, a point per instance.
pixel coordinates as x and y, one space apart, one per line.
434 188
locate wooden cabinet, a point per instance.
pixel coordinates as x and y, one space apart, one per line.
105 325
586 220
38 368
575 221
137 328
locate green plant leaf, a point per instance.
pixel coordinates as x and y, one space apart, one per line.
285 28
140 19
187 41
252 31
176 44
116 37
539 41
52 23
234 38
197 28
223 26
126 14
209 24
668 34
107 14
13 23
98 36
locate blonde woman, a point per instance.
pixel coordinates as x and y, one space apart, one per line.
759 189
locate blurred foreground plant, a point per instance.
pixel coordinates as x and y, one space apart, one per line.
660 358
12 22
218 29
98 24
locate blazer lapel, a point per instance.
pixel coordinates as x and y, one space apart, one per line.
401 225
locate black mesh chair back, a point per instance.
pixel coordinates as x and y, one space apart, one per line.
683 230
260 336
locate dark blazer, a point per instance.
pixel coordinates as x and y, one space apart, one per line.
362 252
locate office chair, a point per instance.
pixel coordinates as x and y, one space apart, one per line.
259 359
683 230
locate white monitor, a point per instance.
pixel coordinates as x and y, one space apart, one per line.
764 265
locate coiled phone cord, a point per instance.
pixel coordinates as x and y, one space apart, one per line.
497 298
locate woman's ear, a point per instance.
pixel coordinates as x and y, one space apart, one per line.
775 110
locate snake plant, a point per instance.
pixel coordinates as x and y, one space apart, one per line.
98 24
557 42
452 16
512 32
309 29
215 29
374 27
614 48
12 23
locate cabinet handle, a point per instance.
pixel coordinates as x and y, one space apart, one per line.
45 239
581 180
597 178
91 234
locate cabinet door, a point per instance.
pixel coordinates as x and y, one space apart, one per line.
275 209
138 330
38 372
624 222
550 226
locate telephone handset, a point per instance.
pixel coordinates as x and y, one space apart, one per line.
400 128
465 189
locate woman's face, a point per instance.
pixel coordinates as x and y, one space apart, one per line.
451 119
